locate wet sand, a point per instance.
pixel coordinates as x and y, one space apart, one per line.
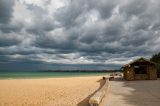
73 91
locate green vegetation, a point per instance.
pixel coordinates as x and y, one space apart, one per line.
156 58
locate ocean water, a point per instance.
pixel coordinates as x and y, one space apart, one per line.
26 75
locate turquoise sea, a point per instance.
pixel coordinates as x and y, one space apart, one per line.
26 75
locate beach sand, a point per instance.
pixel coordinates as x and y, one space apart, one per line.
73 91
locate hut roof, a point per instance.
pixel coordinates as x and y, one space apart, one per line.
140 60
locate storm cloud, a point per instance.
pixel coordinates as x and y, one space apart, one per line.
106 33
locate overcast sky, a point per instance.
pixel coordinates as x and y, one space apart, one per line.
77 34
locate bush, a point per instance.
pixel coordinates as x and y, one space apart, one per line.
156 58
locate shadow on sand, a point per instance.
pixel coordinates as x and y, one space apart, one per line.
134 93
85 102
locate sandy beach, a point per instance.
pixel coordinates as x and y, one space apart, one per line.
73 91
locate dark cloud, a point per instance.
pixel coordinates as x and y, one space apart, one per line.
134 7
79 31
41 22
8 40
6 9
9 28
41 27
68 14
6 14
77 9
105 7
4 58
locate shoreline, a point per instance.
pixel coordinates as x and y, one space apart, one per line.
43 75
51 77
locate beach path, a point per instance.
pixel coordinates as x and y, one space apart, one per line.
133 93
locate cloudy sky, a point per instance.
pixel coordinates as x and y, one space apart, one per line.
77 34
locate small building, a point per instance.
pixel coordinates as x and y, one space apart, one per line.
140 69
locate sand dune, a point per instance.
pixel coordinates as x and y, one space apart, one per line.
48 92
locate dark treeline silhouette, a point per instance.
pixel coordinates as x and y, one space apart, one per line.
156 58
79 70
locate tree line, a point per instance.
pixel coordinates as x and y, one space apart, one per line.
156 58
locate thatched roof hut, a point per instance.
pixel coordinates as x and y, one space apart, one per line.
140 69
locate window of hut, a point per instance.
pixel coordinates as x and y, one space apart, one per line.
140 69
